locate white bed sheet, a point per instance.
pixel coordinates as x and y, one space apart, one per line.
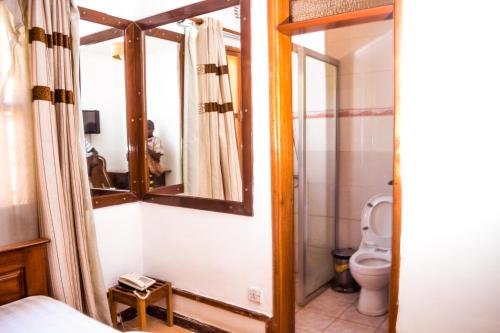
41 314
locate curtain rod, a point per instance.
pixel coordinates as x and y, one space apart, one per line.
198 21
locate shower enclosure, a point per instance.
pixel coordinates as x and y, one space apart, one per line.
315 91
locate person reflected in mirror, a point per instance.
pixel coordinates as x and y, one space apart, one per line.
155 153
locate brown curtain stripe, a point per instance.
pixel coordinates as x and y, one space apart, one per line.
64 96
215 107
221 70
57 38
43 93
213 68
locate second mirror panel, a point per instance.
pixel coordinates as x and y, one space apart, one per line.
193 103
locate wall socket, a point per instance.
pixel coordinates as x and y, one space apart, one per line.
255 295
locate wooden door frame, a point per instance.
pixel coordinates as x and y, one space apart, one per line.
281 130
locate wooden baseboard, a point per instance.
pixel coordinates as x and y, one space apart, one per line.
183 321
221 305
127 314
193 324
179 320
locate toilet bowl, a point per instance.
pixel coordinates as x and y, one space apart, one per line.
371 264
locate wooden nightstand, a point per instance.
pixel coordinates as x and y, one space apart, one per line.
140 300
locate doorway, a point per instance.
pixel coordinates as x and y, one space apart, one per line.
343 131
282 151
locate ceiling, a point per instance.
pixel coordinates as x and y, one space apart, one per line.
135 10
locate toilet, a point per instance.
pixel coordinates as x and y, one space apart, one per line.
371 264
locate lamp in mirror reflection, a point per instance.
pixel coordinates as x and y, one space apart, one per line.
117 50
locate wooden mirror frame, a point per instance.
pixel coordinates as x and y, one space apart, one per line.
134 33
166 195
117 27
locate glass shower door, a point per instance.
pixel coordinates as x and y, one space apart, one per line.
316 146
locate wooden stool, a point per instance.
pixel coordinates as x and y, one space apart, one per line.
140 300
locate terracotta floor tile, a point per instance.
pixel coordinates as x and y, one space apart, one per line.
312 321
345 297
385 323
328 305
154 325
352 314
299 330
344 326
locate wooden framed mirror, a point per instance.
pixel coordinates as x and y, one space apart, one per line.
198 147
163 100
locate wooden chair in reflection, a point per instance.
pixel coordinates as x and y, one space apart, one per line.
98 175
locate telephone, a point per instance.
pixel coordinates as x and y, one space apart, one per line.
136 281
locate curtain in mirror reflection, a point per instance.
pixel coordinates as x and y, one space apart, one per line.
211 161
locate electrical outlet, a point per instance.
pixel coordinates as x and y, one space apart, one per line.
255 295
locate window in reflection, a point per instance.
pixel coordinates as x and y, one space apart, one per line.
102 75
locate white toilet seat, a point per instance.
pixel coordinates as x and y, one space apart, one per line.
371 262
376 233
374 254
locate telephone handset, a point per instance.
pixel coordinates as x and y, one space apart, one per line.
136 281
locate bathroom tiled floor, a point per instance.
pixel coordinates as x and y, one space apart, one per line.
333 312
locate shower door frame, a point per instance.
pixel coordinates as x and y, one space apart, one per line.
303 52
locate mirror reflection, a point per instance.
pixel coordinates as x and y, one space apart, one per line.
102 77
193 107
164 106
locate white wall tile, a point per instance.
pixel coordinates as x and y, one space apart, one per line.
349 233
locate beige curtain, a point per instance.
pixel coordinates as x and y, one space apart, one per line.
18 211
218 168
64 198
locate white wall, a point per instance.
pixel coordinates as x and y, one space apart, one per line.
119 240
212 254
314 41
450 242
